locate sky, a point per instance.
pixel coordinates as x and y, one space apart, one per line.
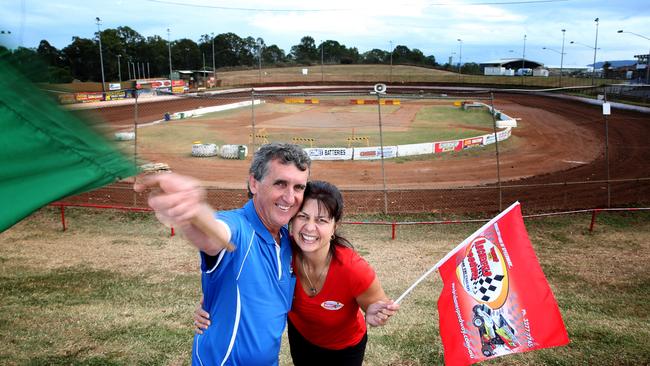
487 29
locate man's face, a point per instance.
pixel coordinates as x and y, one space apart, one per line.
278 196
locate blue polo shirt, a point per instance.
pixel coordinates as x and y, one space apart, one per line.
248 293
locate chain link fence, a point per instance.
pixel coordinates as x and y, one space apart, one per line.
354 124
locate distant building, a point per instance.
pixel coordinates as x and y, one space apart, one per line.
513 66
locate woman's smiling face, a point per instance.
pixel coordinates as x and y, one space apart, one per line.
312 227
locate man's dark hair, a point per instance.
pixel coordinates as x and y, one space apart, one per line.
284 153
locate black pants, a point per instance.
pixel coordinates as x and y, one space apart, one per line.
304 353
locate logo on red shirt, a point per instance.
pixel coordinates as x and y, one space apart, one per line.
331 305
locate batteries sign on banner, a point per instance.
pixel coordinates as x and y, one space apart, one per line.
607 109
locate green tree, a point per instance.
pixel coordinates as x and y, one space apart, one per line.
82 55
305 52
375 56
471 68
273 55
186 54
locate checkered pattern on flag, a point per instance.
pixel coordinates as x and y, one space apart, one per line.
495 299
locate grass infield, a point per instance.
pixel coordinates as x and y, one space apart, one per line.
115 289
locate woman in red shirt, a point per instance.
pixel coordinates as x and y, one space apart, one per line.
333 284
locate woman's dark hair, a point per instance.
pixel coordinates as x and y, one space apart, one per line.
329 198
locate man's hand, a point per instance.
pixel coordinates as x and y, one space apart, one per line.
179 201
176 199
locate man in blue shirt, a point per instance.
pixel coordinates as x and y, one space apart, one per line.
253 285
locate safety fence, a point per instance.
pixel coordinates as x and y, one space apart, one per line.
467 166
394 225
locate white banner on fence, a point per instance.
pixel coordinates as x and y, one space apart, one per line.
415 149
503 135
374 152
329 153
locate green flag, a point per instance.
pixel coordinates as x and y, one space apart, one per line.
47 153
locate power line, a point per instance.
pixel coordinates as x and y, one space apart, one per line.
167 2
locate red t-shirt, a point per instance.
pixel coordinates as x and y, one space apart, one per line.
332 319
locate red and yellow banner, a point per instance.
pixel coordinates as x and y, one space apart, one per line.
495 300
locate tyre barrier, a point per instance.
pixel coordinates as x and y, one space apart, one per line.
204 150
233 152
124 136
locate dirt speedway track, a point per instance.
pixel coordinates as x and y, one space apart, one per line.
557 141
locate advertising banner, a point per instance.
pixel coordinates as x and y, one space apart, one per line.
114 86
178 82
89 97
153 84
115 95
329 153
445 146
472 142
415 149
374 152
495 299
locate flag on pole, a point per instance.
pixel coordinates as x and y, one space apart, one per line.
47 153
495 299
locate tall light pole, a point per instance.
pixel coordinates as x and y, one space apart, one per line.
169 50
322 52
259 57
647 58
582 44
101 58
119 69
390 75
593 71
523 62
214 69
562 57
460 55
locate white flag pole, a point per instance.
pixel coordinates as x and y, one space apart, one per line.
454 251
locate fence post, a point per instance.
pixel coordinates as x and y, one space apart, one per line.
496 147
381 147
394 225
593 220
172 231
62 216
135 142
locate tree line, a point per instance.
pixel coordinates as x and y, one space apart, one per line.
80 60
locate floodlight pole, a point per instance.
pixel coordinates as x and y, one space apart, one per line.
322 76
169 50
390 75
101 58
593 70
460 58
214 69
647 59
523 62
562 57
119 69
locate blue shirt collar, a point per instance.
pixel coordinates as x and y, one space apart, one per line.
258 225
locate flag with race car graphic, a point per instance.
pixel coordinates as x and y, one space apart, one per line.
495 300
